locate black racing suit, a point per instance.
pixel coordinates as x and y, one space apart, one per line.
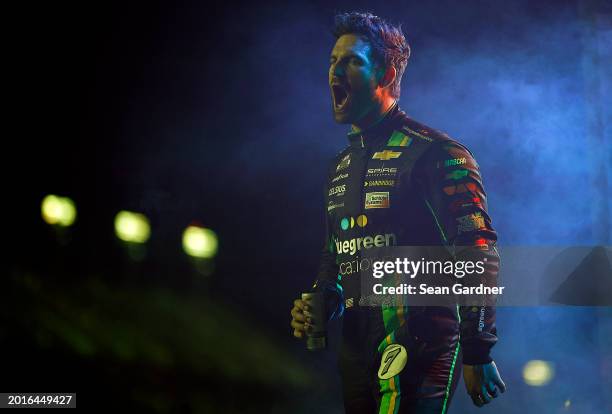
402 183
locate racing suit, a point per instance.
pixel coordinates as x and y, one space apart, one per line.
402 183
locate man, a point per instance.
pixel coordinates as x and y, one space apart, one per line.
398 183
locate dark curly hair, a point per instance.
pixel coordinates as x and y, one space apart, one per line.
388 43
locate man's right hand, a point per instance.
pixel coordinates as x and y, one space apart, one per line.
300 322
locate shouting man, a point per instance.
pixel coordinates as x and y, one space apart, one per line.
399 182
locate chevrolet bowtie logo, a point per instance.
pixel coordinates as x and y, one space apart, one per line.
386 155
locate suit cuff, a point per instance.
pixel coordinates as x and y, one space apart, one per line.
477 354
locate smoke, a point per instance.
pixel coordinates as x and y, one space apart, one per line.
508 81
523 84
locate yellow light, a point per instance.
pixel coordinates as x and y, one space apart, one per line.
567 404
57 210
538 373
200 242
132 227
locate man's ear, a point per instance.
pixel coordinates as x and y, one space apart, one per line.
388 77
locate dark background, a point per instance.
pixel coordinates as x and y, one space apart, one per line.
220 114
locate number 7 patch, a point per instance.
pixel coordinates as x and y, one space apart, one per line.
393 361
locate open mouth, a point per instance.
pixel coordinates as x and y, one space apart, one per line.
340 96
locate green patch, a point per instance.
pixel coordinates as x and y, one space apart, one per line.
457 175
399 140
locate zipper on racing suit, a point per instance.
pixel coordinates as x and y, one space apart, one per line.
362 176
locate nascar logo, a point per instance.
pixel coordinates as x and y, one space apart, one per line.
454 161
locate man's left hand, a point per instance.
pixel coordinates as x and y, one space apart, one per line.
482 382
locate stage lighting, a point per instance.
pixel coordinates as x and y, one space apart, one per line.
132 227
200 242
538 373
58 211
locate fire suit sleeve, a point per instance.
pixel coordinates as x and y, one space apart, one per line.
453 192
327 276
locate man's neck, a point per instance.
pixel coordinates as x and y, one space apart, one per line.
374 117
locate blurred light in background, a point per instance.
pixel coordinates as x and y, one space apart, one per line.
538 373
567 404
200 242
57 210
132 227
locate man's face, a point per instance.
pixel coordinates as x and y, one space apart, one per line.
352 79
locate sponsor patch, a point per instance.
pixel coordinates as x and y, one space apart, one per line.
349 222
331 206
392 361
471 222
456 175
399 140
344 162
481 244
459 188
381 171
362 220
464 203
454 161
378 199
379 183
338 190
386 155
353 266
354 245
413 132
339 177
